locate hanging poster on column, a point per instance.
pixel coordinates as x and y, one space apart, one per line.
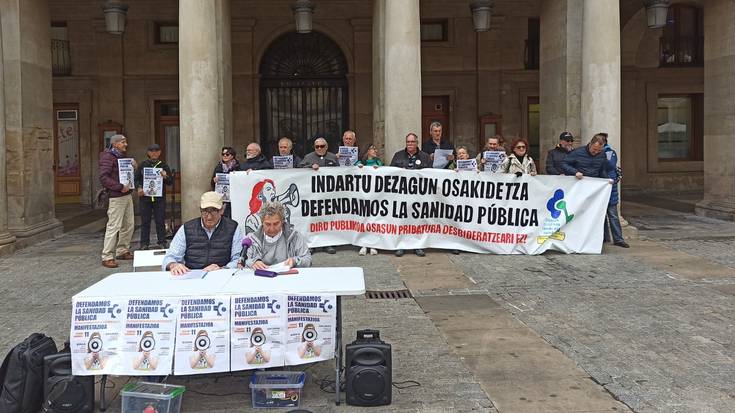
258 331
125 171
223 186
148 336
203 335
96 336
311 328
152 182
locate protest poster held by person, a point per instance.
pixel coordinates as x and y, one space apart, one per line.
492 144
152 206
321 157
436 142
519 162
462 154
285 148
226 165
120 215
556 155
370 158
411 158
254 159
276 241
210 242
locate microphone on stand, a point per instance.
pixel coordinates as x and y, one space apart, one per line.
246 243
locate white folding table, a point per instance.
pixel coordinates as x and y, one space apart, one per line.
328 280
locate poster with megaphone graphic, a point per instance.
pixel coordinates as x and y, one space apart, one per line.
203 335
95 337
311 327
148 336
258 331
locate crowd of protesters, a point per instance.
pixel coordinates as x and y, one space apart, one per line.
595 159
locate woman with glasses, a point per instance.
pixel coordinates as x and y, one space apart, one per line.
519 162
228 164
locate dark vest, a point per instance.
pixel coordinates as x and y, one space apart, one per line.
202 251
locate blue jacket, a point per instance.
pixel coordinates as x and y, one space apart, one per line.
581 160
612 160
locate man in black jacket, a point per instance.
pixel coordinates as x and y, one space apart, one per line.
254 159
151 205
556 156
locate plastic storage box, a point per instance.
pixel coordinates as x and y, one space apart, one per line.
145 397
273 389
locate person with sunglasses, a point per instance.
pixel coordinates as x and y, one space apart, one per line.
229 163
320 157
519 162
209 242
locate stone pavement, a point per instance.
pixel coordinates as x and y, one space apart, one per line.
650 329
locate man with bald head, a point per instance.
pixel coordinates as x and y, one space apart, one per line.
254 158
320 157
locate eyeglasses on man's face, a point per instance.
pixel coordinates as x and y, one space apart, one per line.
209 211
320 146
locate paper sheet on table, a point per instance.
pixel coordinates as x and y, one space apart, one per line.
440 158
280 267
191 275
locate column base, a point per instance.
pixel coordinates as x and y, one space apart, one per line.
7 244
43 231
723 209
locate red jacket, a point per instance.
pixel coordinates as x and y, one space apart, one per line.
109 176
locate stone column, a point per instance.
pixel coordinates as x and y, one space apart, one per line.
26 65
7 240
601 71
560 75
719 111
205 93
402 71
379 76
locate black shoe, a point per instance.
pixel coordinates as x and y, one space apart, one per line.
331 250
399 253
622 244
419 252
455 252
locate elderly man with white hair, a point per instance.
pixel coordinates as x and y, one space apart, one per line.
320 156
285 148
276 241
254 159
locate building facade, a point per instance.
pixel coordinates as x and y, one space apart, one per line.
195 75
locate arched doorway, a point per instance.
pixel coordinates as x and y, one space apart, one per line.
303 92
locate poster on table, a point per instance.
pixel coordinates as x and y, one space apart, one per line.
148 336
283 162
441 158
310 331
152 182
493 159
125 171
467 164
223 186
203 335
391 208
258 331
96 335
348 155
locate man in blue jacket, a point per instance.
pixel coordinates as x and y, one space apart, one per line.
612 220
591 160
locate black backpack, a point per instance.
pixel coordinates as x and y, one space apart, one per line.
21 375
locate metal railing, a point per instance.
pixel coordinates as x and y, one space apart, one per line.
681 51
60 57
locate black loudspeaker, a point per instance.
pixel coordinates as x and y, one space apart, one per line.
62 392
368 369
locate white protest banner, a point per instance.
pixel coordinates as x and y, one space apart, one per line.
258 332
203 335
152 182
311 328
125 171
148 336
347 155
283 162
391 208
96 336
440 158
466 164
223 186
493 159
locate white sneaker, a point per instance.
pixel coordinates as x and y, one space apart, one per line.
362 251
373 251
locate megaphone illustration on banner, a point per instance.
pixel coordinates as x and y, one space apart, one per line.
290 196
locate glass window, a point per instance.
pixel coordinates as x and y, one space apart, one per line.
167 33
434 31
679 127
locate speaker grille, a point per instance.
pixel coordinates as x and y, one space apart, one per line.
388 295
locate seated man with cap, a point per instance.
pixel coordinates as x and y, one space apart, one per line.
276 242
210 242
